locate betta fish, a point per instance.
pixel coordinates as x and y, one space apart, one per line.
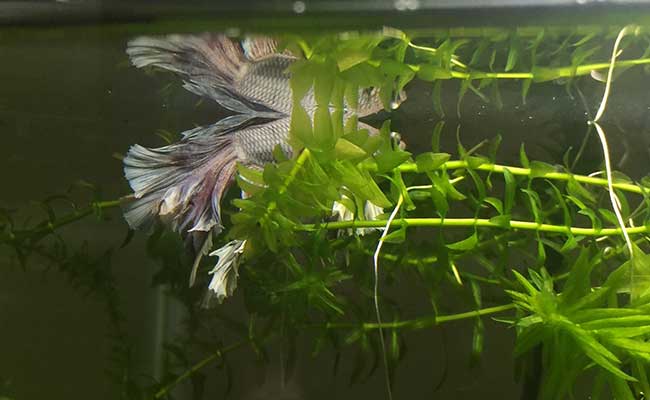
182 184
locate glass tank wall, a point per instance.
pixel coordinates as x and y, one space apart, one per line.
322 199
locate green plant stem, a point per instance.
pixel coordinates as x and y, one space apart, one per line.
423 322
300 161
556 72
560 176
47 227
473 222
214 356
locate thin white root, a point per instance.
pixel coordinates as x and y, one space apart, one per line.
603 140
376 293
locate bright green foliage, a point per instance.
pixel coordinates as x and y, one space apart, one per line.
584 318
535 237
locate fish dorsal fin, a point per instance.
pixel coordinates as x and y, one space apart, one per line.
260 47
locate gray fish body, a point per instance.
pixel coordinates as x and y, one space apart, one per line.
183 183
216 67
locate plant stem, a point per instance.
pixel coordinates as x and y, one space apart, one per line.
556 72
300 161
423 322
474 222
46 227
560 176
199 365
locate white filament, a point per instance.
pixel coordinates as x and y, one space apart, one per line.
603 140
376 293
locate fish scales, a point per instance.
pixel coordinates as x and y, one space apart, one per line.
257 143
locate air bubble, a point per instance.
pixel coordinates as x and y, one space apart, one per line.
404 5
299 7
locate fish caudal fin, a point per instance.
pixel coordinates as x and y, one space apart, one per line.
181 184
211 64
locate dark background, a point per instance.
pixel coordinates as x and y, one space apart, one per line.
69 100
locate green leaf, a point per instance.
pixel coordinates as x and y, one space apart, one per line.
577 190
478 51
435 138
623 332
619 322
362 184
496 203
559 199
620 389
528 338
538 168
348 58
302 79
465 244
609 216
525 88
501 220
398 236
596 351
478 183
431 161
510 186
346 150
439 201
593 314
578 284
513 54
399 184
543 74
324 137
324 84
464 85
477 339
523 158
584 210
496 94
535 204
441 180
352 96
428 72
301 129
437 99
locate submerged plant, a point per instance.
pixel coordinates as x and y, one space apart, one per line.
537 241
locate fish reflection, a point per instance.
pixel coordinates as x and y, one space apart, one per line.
183 183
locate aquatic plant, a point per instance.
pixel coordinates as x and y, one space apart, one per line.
537 246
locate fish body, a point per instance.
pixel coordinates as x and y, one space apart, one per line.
183 183
247 77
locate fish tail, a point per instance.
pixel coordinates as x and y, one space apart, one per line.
212 57
182 183
209 63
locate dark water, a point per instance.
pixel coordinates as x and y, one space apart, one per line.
68 101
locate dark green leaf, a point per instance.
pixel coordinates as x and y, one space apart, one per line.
435 138
437 99
465 244
523 158
538 168
431 161
510 186
346 150
428 72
